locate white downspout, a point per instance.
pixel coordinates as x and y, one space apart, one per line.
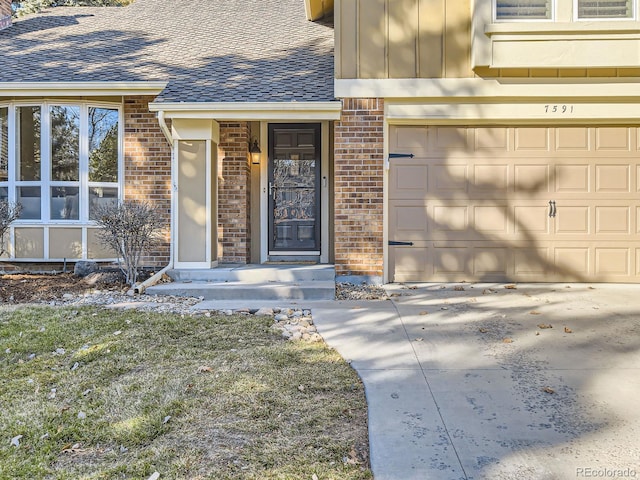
155 278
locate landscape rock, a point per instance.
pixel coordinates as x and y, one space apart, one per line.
84 268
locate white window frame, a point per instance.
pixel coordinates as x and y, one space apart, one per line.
45 183
494 7
633 17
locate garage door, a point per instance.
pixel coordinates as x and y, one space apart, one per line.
515 204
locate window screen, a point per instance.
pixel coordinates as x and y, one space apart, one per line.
605 9
523 9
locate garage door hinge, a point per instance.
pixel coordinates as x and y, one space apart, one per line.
393 243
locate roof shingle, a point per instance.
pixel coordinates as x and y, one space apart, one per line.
207 51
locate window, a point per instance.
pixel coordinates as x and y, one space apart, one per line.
523 9
64 162
598 9
28 161
4 144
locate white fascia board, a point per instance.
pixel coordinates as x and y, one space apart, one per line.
478 88
74 89
250 110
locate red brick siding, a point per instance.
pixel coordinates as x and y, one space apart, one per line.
5 13
147 175
234 187
358 183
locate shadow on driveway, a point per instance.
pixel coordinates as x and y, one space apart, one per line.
479 381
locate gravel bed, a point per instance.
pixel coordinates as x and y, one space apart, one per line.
351 291
292 324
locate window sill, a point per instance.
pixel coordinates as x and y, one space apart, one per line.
578 28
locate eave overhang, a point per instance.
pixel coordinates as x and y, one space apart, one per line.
246 111
74 89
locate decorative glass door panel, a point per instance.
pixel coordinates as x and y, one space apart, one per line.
294 194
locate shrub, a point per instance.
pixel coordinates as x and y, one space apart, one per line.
128 228
9 212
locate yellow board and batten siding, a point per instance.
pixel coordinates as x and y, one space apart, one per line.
402 39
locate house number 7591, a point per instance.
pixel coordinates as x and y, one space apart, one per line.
558 109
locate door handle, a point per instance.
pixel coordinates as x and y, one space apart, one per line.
552 208
272 190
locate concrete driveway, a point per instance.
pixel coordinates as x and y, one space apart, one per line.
473 381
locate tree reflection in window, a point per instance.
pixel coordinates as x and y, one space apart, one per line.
103 145
65 143
294 181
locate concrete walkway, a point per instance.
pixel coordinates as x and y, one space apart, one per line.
469 382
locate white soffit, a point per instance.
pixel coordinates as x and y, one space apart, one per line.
251 110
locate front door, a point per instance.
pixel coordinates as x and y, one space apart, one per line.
294 193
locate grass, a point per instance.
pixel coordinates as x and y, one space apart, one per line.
193 397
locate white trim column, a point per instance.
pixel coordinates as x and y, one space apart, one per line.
194 174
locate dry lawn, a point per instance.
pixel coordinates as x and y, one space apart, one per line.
101 394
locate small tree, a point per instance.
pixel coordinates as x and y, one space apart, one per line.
9 212
128 228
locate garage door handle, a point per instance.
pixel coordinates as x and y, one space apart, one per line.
393 243
552 208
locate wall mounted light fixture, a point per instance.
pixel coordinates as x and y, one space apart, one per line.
254 151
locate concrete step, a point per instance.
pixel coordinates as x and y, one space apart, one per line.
239 290
257 273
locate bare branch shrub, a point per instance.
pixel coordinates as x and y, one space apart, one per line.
9 212
129 228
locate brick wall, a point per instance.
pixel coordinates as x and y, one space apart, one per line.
234 187
147 158
5 14
358 183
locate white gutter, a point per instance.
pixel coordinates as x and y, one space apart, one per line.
155 278
73 89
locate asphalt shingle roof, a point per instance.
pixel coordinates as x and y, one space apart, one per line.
208 51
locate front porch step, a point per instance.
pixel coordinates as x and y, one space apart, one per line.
242 290
257 273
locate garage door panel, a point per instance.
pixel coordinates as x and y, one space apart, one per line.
612 262
572 262
408 180
450 218
492 179
476 204
532 180
411 139
491 219
449 140
448 180
412 264
531 262
450 258
490 261
612 220
531 220
495 138
527 139
573 139
574 178
572 220
616 139
409 221
613 178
